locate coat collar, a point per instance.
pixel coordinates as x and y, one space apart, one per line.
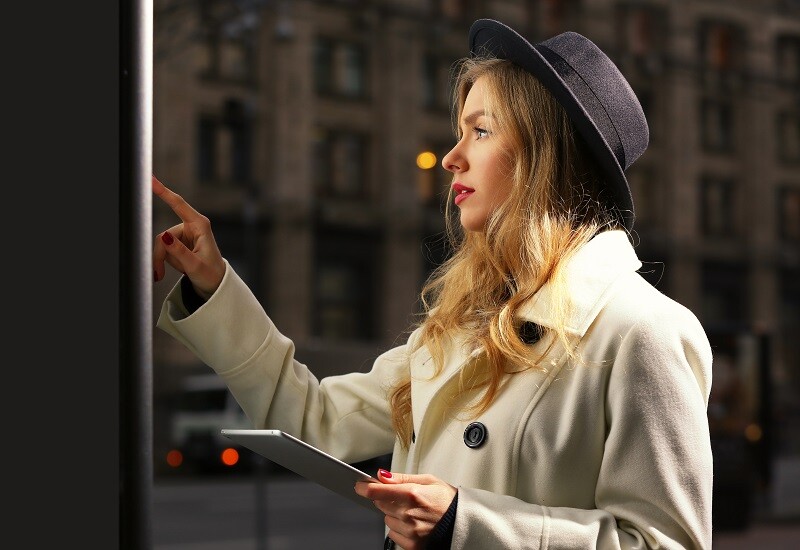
590 276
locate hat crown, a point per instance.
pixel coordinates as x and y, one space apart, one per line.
611 89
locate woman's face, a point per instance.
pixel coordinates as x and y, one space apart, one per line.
479 163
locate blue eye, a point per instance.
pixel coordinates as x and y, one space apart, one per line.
480 132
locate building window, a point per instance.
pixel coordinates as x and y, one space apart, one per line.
238 121
716 130
646 196
717 207
720 45
725 297
788 58
344 285
337 292
463 10
639 27
789 214
243 242
235 59
340 163
352 82
790 300
229 42
323 65
452 9
436 82
207 148
224 145
559 15
721 52
788 130
642 31
340 68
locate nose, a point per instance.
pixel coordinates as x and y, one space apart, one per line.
454 161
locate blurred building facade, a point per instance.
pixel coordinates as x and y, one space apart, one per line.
295 127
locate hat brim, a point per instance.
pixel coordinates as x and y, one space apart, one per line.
492 38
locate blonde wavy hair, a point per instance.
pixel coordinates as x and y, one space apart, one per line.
557 204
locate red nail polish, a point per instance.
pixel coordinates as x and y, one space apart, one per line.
385 473
166 236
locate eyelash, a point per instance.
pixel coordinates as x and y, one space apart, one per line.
478 132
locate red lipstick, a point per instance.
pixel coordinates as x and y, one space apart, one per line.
462 192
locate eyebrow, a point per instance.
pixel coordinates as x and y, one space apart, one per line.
469 119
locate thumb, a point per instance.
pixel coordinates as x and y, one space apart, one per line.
176 253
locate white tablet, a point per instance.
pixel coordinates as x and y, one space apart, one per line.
306 460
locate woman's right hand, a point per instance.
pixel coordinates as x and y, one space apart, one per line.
188 246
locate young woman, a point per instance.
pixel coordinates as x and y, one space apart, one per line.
549 397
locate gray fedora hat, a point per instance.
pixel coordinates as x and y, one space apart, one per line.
597 98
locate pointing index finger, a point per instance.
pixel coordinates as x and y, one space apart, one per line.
182 208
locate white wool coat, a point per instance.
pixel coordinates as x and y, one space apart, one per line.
608 451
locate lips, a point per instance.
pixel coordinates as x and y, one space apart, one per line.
462 192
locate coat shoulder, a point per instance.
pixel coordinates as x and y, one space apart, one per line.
654 328
637 303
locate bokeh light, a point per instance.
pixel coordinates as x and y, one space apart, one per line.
426 160
753 432
174 458
230 457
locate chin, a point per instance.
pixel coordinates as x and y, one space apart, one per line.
472 225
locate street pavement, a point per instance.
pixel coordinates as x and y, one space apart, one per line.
219 513
761 536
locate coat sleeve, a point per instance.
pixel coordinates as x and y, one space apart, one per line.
347 416
654 485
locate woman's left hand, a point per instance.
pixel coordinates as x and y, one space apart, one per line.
413 504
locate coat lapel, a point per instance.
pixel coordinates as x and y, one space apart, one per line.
590 276
424 386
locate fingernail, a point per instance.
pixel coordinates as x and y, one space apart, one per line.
166 236
385 473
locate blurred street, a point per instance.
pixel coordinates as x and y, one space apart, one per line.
210 513
219 513
761 536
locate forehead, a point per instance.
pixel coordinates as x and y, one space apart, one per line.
476 97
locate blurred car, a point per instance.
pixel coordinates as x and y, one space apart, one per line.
202 408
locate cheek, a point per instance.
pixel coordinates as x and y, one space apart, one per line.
502 192
503 177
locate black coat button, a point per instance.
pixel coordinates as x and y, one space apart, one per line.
530 332
475 435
